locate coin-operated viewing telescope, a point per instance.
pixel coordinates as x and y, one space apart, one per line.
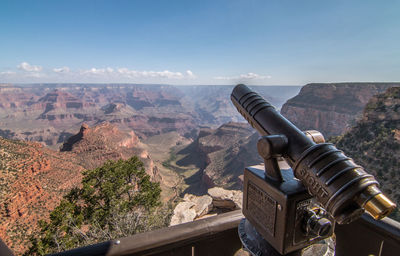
293 206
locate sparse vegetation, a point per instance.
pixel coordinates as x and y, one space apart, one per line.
115 200
374 142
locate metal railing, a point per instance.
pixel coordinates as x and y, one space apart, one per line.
368 236
218 236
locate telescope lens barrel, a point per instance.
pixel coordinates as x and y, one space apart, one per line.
341 186
267 121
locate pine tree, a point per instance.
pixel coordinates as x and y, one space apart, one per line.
116 199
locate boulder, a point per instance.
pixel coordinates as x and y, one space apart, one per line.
226 199
183 212
199 207
203 204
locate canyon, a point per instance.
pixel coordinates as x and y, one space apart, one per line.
50 113
331 108
190 138
34 178
221 154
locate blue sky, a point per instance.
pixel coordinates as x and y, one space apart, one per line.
200 42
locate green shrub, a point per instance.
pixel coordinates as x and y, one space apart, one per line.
114 200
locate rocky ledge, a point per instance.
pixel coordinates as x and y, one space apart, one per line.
217 200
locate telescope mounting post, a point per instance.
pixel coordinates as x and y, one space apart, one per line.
281 216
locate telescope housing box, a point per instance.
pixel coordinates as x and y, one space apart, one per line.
276 209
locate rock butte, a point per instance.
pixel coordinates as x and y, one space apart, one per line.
330 108
34 178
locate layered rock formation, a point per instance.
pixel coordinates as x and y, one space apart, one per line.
33 180
93 146
374 142
222 153
213 106
50 113
330 108
58 105
154 110
47 116
14 97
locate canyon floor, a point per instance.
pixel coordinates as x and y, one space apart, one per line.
177 179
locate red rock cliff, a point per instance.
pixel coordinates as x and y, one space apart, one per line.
93 146
330 108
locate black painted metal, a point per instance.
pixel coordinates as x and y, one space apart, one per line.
219 236
278 210
316 165
367 236
267 121
211 236
362 237
270 148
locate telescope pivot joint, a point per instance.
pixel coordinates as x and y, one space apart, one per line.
270 148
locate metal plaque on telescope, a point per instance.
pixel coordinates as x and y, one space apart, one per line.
262 207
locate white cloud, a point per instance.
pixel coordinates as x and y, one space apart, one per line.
61 70
150 74
8 73
248 76
27 73
98 71
25 66
190 74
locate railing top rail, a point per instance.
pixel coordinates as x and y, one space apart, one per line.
170 238
178 235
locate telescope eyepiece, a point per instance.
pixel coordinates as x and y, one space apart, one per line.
379 206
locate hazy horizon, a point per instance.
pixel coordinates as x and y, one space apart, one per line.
199 43
166 84
116 83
